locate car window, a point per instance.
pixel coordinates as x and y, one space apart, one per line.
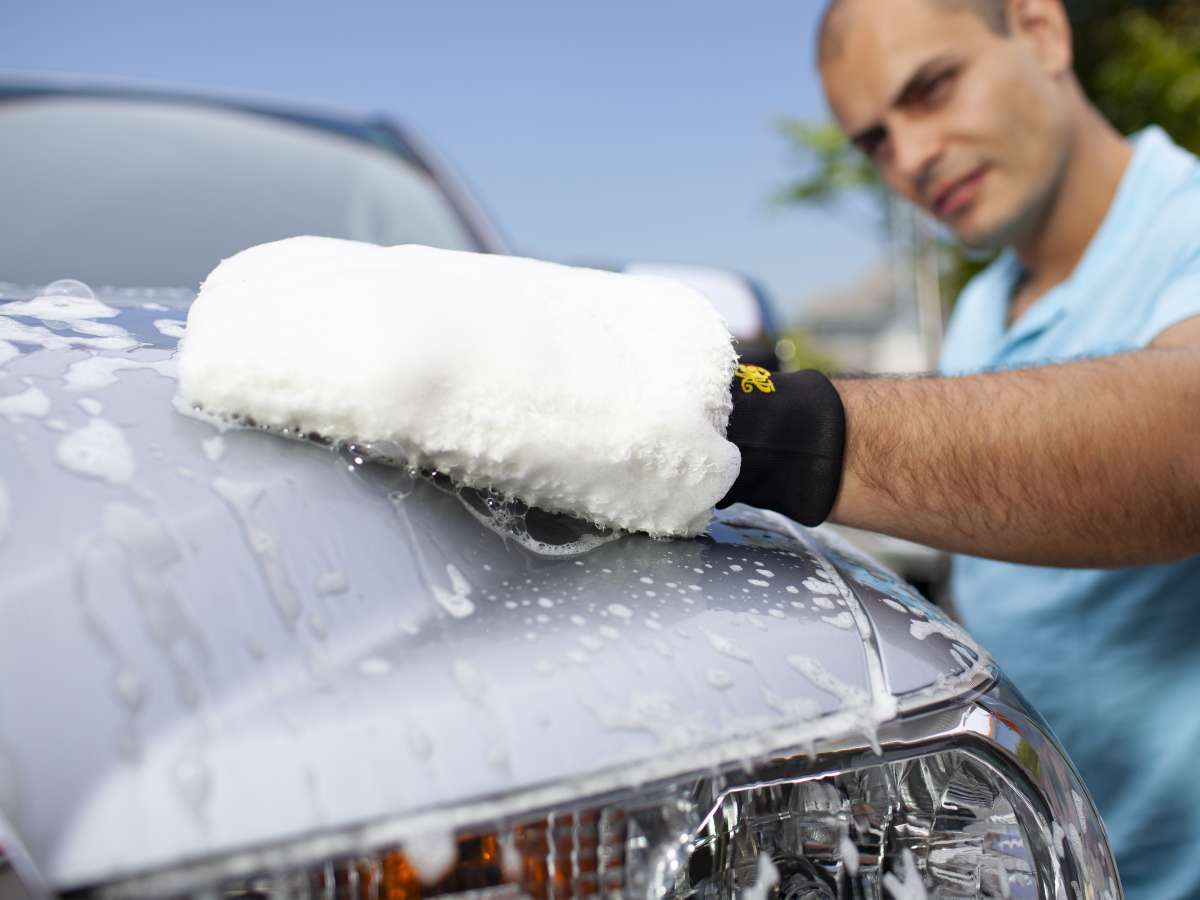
134 192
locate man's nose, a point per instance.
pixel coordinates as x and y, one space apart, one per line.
916 150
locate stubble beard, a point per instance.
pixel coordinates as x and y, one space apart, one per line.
1029 222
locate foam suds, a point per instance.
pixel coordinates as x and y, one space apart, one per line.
98 449
908 885
542 533
64 302
849 695
797 708
14 332
431 855
150 551
656 714
579 391
29 402
213 447
849 856
332 582
726 647
98 372
765 878
241 497
921 630
820 586
455 601
171 327
841 620
1060 838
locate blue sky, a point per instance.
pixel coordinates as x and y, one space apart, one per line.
607 131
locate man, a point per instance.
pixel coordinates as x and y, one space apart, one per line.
1067 474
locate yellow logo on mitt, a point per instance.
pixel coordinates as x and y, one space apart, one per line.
753 377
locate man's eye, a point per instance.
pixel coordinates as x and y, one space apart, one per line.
869 145
872 148
938 87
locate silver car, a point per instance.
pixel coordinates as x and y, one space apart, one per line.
233 665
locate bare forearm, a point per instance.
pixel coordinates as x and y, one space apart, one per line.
1093 463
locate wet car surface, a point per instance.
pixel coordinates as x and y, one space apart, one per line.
237 664
247 639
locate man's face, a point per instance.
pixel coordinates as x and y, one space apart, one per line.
967 123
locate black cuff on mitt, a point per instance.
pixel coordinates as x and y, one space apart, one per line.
791 430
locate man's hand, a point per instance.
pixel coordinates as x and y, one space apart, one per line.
1086 464
791 431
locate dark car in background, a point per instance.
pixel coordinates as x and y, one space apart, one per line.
166 185
233 666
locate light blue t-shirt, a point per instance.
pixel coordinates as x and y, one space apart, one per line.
1110 657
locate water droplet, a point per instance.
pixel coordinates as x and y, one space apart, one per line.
193 783
130 688
374 666
419 743
719 679
470 681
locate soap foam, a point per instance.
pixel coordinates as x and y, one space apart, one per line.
574 390
98 449
30 402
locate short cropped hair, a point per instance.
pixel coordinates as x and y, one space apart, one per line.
993 12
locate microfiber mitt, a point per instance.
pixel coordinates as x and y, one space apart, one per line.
594 393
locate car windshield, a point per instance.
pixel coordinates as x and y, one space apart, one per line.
119 192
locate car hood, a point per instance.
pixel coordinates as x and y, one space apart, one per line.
215 641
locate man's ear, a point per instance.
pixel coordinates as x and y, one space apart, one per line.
1044 27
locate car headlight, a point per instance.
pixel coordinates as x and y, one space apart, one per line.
971 799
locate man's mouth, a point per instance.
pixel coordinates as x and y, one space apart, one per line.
954 198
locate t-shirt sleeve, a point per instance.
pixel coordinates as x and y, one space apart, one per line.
1179 300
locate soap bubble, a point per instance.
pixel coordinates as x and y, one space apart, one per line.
68 287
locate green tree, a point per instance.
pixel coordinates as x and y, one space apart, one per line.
1138 61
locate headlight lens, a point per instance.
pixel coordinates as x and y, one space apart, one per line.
970 801
828 838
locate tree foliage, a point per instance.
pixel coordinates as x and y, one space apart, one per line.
1139 62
